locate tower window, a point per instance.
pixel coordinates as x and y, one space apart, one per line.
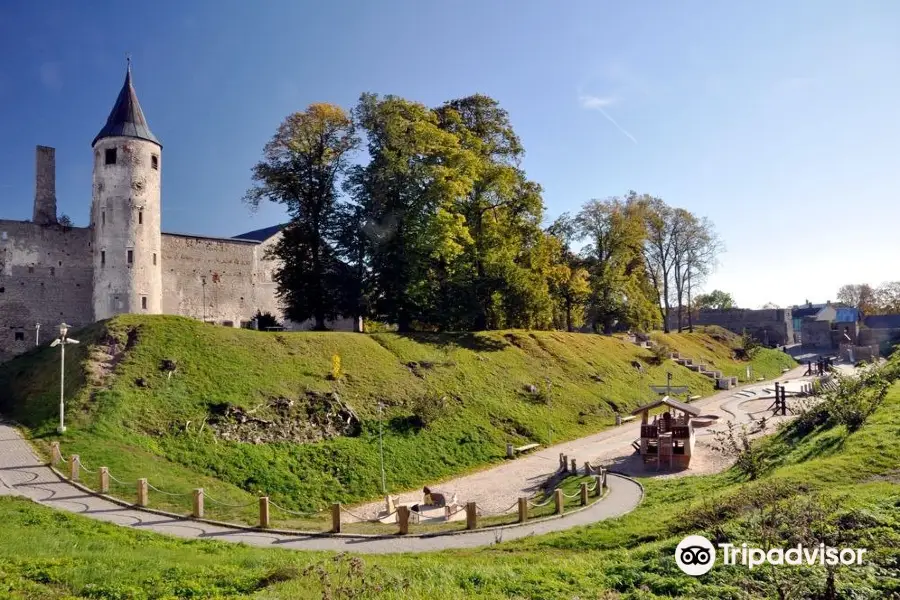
154 259
154 162
103 218
102 257
140 217
144 302
31 269
131 257
110 156
20 336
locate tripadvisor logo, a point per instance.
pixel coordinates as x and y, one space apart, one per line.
696 555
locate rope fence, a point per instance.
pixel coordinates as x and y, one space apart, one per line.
403 514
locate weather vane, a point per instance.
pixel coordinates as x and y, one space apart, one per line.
128 59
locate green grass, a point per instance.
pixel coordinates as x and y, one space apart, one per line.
157 430
45 554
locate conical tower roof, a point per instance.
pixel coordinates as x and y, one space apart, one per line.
126 118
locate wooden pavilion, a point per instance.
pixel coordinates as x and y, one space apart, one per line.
667 440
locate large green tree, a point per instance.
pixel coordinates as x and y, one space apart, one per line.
716 299
501 279
621 292
408 195
301 168
570 282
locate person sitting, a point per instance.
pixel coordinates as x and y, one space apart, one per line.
431 500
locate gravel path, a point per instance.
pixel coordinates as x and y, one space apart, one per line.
497 488
23 473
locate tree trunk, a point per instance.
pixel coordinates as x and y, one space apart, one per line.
569 327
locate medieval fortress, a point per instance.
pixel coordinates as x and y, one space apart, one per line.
122 262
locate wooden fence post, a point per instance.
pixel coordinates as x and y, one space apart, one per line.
509 451
523 510
55 454
197 513
143 492
559 500
584 494
574 466
403 519
471 515
587 467
598 485
264 512
565 463
104 480
73 467
335 518
605 482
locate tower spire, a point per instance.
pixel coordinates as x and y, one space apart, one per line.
126 118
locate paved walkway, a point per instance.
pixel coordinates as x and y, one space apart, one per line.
497 488
22 473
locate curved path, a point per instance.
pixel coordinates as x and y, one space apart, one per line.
498 487
22 473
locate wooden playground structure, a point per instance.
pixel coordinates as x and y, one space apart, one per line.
667 440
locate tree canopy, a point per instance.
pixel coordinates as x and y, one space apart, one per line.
436 226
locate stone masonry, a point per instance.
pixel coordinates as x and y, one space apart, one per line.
774 326
122 262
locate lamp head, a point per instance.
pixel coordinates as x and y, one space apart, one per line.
63 329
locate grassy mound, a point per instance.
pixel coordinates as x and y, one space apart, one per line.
146 397
827 483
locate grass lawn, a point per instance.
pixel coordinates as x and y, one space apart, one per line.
45 554
453 402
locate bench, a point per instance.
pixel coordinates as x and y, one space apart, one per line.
692 398
620 420
511 451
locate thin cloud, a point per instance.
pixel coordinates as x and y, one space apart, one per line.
599 103
595 102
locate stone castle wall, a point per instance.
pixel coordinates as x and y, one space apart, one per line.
773 324
216 280
45 277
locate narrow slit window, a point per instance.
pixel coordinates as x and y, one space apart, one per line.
131 257
140 217
144 302
110 156
102 257
154 259
103 218
154 162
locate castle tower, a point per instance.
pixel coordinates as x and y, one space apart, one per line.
125 212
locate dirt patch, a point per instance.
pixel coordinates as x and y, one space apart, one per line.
419 368
311 418
107 354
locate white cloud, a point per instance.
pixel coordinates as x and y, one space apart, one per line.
596 102
600 103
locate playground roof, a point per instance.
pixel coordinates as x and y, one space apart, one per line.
670 402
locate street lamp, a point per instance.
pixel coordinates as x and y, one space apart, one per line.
550 411
61 341
381 445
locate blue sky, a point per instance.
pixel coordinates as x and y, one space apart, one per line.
777 120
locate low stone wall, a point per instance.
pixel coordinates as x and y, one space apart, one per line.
775 326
